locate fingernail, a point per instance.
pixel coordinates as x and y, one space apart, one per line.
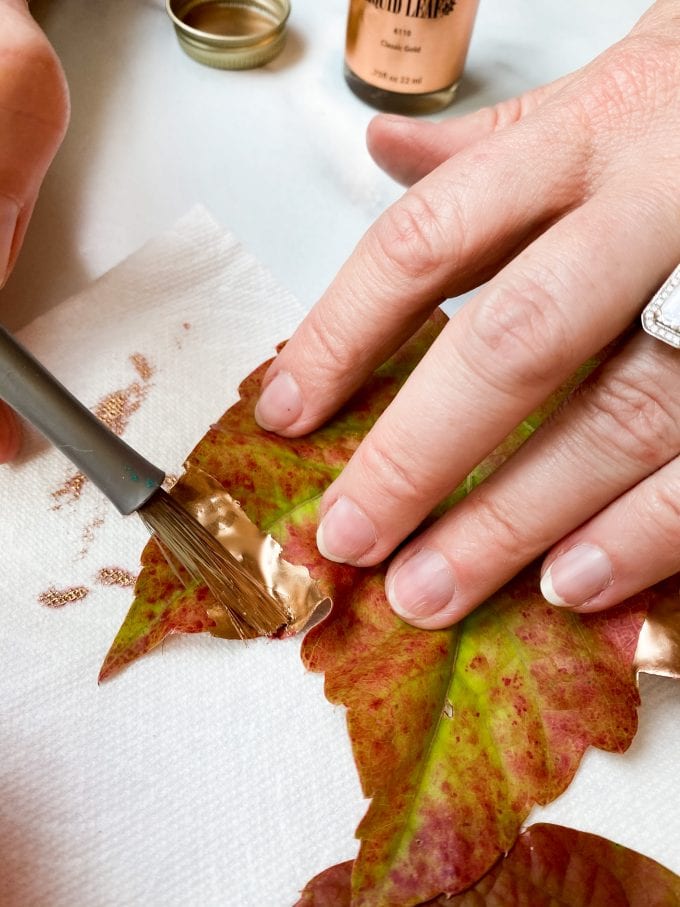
345 533
280 403
9 214
422 586
576 576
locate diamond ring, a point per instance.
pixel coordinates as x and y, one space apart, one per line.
661 316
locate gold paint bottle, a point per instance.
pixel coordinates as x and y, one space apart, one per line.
407 56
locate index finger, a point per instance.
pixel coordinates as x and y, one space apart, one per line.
447 234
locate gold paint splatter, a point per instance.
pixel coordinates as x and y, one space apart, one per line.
89 532
116 576
115 409
57 598
142 366
69 491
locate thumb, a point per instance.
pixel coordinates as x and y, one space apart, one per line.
34 112
409 149
33 116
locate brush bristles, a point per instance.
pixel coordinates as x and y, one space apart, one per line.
248 603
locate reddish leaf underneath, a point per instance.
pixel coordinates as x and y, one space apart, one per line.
331 888
549 866
458 733
276 480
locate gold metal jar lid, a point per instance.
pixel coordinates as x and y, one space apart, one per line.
230 34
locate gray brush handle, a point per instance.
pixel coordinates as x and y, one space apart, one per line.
125 477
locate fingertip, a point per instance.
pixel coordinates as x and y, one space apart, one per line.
578 578
393 141
421 589
441 622
346 535
593 607
548 590
387 123
10 434
280 403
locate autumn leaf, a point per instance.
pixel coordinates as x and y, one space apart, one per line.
278 482
330 888
549 866
456 733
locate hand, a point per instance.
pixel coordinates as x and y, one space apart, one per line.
567 201
33 117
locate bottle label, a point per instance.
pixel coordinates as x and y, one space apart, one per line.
409 46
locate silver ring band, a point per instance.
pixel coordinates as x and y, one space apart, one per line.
661 316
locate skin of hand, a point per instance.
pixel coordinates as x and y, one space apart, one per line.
34 113
564 206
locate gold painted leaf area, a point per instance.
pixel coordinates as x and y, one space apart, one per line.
277 483
258 553
658 648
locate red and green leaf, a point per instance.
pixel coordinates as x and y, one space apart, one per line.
456 733
277 481
548 866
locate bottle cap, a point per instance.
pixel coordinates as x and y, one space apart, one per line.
230 34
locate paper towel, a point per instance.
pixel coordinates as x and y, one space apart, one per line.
209 773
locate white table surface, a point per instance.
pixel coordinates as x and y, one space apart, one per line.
278 156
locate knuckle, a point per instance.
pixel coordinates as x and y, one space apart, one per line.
632 417
508 112
329 352
497 524
389 474
518 336
620 82
628 84
664 508
409 236
616 104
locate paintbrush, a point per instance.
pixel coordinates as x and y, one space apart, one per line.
133 485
